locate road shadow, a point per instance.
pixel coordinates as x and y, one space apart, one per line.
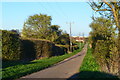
93 75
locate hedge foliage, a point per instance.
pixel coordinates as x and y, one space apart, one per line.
16 48
106 54
10 46
67 47
36 49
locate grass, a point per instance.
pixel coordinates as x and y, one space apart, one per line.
89 63
16 70
90 69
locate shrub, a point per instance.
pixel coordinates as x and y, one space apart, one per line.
36 49
63 39
64 47
75 47
106 54
10 45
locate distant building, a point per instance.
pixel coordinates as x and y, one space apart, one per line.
78 39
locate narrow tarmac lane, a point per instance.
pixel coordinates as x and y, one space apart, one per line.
64 69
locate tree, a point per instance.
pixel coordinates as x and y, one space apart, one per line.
54 32
102 29
15 31
36 26
63 39
103 41
109 9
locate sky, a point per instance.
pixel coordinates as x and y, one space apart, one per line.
14 14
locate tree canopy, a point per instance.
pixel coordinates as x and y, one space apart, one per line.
54 32
39 26
102 29
108 8
111 10
36 26
103 40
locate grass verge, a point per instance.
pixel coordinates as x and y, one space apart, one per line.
90 69
89 63
22 69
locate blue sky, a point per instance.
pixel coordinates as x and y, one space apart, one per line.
14 14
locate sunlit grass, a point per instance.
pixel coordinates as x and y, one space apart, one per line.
89 63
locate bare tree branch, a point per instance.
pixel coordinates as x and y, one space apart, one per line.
104 10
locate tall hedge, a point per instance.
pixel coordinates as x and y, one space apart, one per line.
10 45
36 49
16 48
106 54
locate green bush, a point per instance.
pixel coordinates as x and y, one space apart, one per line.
10 45
106 54
101 52
58 50
75 47
64 47
36 49
63 39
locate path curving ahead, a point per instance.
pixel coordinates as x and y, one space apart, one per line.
64 69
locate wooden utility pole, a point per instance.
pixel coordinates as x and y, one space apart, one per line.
70 36
80 37
83 38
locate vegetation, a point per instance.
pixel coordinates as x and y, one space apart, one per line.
63 39
36 26
39 27
37 49
110 10
54 32
103 40
10 46
90 69
102 29
18 69
30 49
89 63
16 48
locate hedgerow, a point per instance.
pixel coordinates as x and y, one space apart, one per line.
16 48
10 45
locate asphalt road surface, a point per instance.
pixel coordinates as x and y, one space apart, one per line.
64 69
